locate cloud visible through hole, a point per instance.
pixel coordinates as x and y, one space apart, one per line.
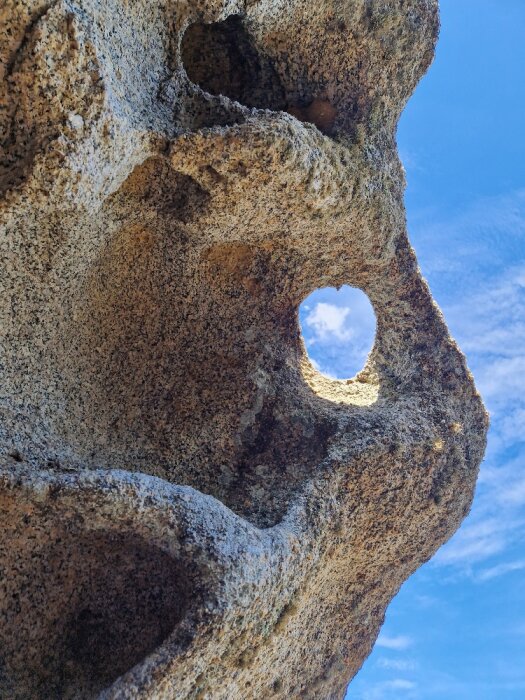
338 330
328 321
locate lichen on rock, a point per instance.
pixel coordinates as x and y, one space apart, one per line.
189 509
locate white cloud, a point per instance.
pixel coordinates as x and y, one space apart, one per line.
426 601
397 643
472 544
497 520
338 330
329 321
494 527
490 326
501 483
513 494
384 690
396 664
488 234
512 425
450 687
474 551
501 570
400 684
502 379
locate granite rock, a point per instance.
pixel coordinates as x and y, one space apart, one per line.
189 509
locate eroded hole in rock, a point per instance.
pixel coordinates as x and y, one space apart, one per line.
280 450
223 60
83 611
338 330
317 111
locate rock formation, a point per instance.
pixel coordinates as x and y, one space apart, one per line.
188 508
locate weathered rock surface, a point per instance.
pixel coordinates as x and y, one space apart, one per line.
188 509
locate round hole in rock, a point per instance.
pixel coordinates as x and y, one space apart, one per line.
223 60
338 328
84 610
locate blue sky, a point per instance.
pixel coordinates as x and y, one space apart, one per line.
456 630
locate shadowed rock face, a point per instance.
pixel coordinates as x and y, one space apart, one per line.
188 509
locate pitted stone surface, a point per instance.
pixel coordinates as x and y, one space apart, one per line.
189 509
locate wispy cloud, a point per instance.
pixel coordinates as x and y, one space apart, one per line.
486 236
503 482
397 643
490 326
494 527
396 664
386 690
400 684
501 570
475 542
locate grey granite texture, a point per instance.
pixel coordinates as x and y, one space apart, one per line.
188 508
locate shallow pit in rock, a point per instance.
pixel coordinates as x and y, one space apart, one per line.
222 59
82 610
